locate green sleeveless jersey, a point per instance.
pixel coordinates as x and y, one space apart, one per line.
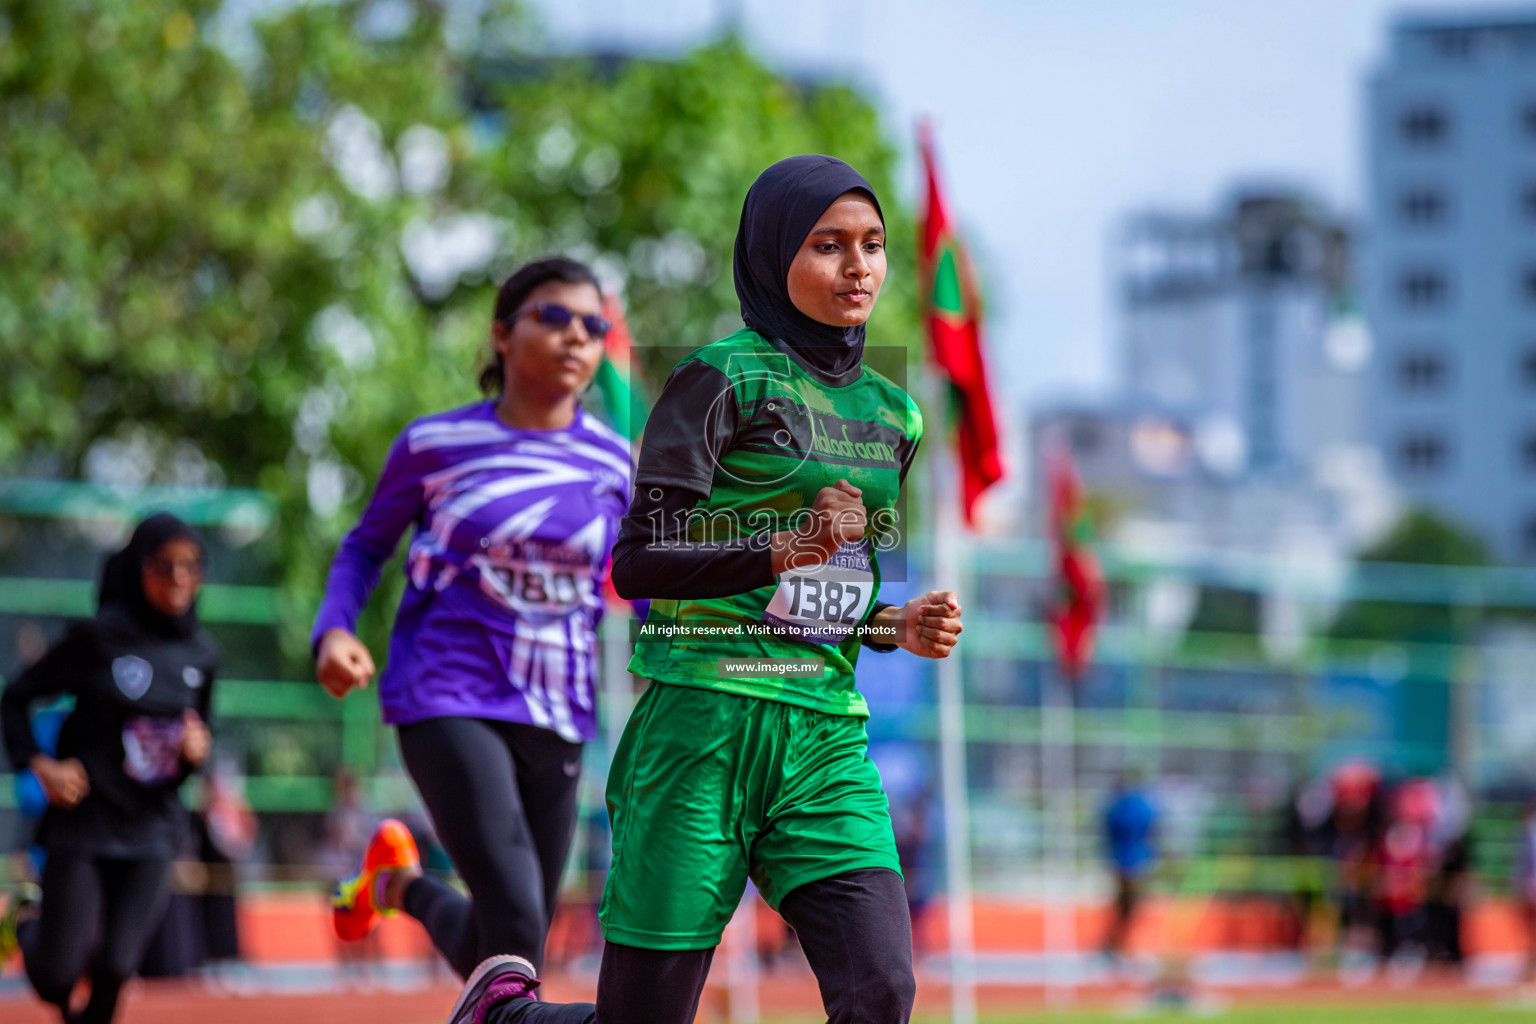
758 433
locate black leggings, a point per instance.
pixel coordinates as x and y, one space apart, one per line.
121 901
503 800
855 931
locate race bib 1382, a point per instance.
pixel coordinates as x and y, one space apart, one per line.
826 603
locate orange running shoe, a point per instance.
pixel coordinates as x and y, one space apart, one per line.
353 911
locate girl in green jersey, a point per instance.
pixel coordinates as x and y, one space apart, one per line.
765 491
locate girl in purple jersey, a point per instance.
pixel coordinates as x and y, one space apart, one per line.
513 506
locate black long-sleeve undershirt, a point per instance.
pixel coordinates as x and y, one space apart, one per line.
692 425
654 558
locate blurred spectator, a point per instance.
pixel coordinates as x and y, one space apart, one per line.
200 929
344 836
1450 890
1357 831
910 820
1403 883
225 829
1407 857
346 828
1130 829
31 798
1525 882
1308 839
1450 885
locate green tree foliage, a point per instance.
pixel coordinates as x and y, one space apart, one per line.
1420 537
254 262
1423 537
648 163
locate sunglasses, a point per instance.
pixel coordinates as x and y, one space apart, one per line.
167 568
554 315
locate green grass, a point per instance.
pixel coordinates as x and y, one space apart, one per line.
1508 1011
1300 1013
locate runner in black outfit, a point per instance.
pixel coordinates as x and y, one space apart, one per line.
141 673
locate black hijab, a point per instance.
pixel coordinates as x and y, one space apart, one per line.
782 207
122 578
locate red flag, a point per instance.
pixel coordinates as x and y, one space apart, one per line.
952 311
1080 594
616 380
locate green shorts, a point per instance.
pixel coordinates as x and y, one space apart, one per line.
708 789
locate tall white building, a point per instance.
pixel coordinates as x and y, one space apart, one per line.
1240 423
1242 319
1450 272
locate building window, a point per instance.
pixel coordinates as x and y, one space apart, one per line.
1422 371
1528 201
1422 288
1085 439
1528 451
1421 205
1454 43
1528 367
1528 119
1528 284
1424 125
1422 452
1528 536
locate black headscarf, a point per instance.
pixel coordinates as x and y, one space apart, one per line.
122 578
782 207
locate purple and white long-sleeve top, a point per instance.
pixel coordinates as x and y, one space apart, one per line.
513 534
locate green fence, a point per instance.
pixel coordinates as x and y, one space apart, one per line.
1291 732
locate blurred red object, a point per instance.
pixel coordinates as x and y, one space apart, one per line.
1354 785
1416 802
1079 578
1404 868
952 312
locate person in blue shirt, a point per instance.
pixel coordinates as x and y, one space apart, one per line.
1130 832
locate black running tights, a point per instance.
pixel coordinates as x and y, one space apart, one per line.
503 801
121 901
855 931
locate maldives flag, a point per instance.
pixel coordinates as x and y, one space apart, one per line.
616 380
1080 582
952 311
